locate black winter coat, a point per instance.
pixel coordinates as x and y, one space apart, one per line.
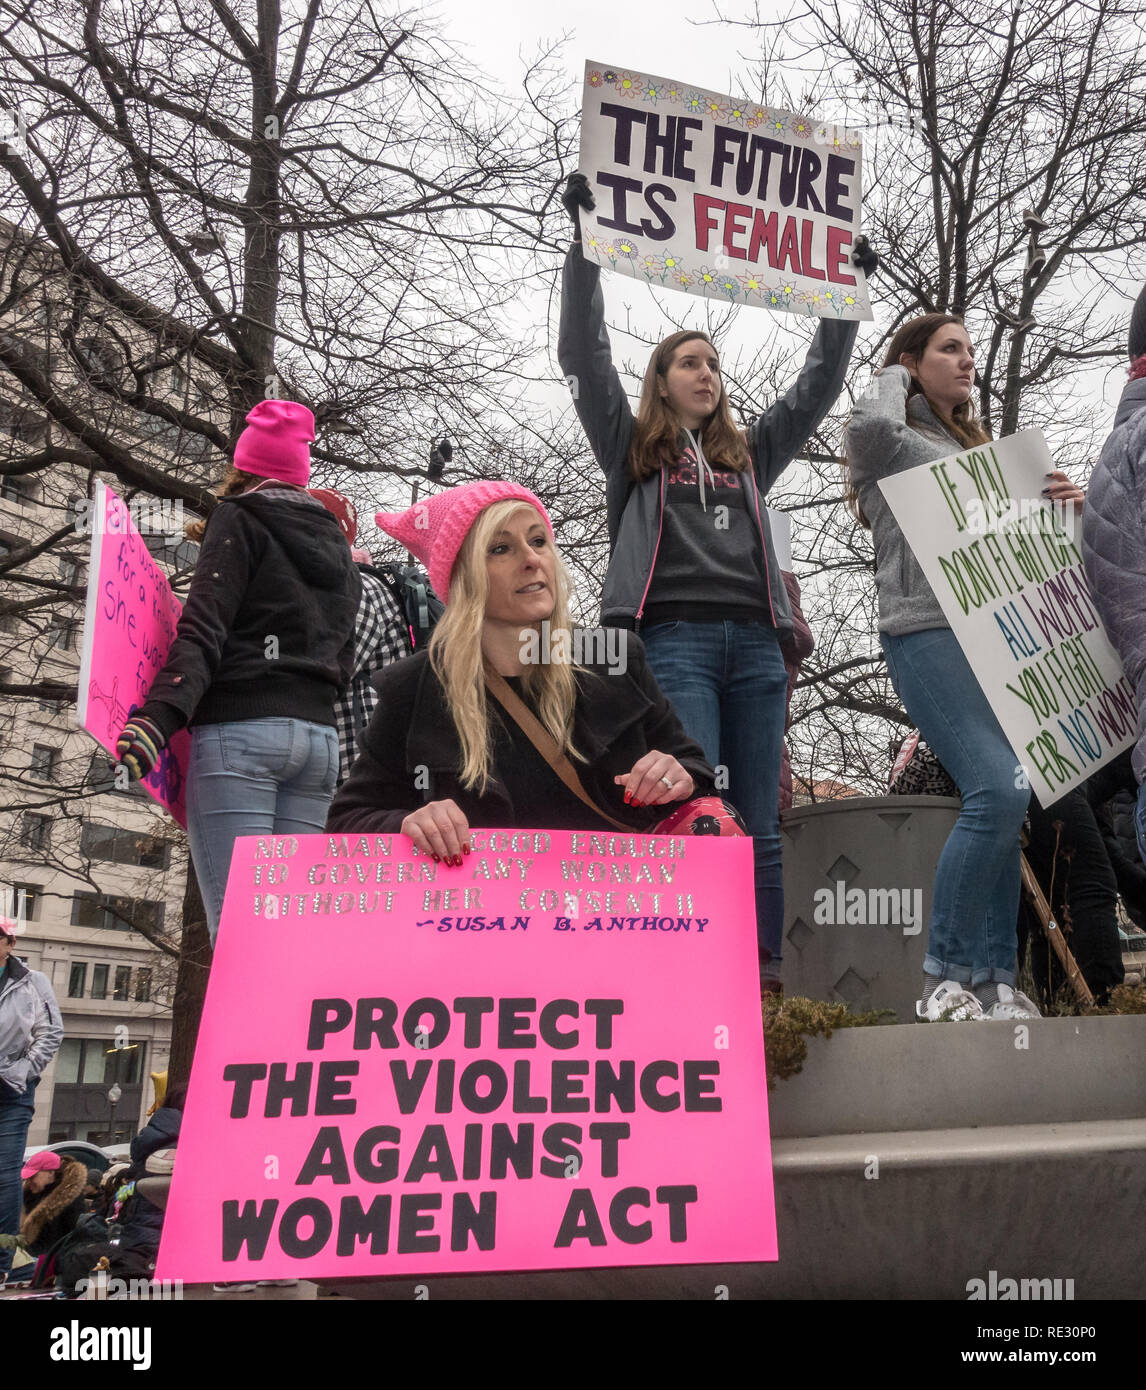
141 1220
268 627
617 719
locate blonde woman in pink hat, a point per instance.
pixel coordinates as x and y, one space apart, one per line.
492 724
263 647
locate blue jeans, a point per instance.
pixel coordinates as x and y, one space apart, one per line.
1140 821
975 904
729 687
15 1117
254 777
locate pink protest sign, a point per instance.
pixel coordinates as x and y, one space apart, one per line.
129 625
549 1057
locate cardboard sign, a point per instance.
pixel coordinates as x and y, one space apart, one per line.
129 625
721 197
1006 569
549 1057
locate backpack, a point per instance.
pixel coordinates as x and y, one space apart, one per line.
417 601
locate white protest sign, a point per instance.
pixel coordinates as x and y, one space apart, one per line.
1006 569
721 197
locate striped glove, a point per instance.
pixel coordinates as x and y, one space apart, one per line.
139 746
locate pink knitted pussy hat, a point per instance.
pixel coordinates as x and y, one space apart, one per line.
276 442
434 530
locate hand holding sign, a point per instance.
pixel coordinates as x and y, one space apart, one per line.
720 197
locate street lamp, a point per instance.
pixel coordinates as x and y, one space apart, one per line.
440 455
114 1095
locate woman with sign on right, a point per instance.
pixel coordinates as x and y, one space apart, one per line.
917 410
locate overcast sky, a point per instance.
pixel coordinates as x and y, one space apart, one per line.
680 41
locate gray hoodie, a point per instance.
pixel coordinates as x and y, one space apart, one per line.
30 1027
889 433
1114 545
635 511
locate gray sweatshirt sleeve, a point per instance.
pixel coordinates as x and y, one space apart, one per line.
586 359
776 436
879 429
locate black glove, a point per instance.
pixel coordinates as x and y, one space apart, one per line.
139 746
577 195
864 257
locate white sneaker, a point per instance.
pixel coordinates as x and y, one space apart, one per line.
278 1283
1012 1004
235 1286
951 1003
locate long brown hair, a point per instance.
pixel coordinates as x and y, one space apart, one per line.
658 427
234 481
911 338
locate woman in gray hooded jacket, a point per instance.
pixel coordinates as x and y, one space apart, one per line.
692 564
31 1030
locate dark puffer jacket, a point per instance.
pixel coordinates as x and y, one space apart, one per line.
141 1220
1114 545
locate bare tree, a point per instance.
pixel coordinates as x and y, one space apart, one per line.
217 202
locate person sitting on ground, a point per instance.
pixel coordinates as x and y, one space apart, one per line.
54 1202
445 748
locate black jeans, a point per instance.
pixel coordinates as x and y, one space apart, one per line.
1070 861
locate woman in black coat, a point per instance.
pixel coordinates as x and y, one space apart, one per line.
442 751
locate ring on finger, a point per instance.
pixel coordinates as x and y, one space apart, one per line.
668 783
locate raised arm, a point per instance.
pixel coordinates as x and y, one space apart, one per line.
878 427
776 436
587 361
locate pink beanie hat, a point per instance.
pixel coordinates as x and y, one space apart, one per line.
434 530
276 442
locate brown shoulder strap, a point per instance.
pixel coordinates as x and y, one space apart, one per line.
542 740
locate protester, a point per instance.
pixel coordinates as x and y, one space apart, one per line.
142 1221
917 410
31 1030
264 644
692 565
445 749
1114 541
1065 849
52 1208
380 635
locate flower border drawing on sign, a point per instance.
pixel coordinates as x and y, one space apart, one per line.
721 197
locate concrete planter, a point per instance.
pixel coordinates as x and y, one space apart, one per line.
911 1161
885 847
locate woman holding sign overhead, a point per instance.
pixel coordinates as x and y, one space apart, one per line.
918 410
693 566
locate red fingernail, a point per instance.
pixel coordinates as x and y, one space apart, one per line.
465 849
628 798
456 861
437 858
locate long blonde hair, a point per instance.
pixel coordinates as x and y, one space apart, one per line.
456 653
